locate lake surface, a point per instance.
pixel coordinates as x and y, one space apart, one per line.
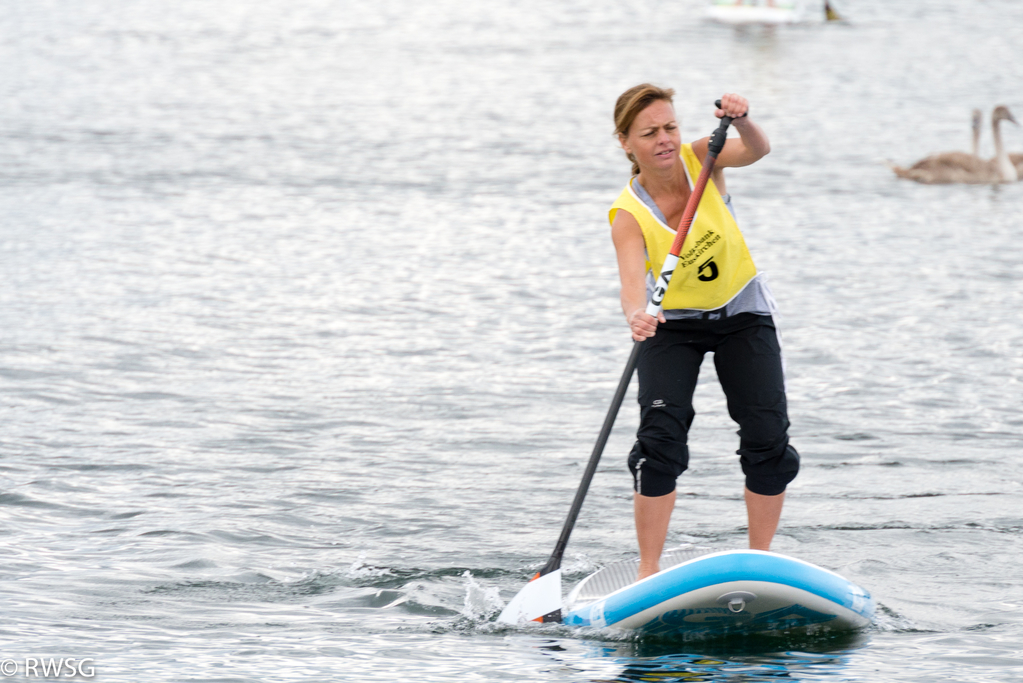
309 319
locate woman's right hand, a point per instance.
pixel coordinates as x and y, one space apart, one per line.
643 325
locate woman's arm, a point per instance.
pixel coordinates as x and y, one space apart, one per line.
631 250
752 143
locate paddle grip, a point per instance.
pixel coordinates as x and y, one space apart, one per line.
717 103
717 138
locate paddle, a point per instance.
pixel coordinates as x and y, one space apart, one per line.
540 599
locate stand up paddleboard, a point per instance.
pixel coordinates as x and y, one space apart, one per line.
707 593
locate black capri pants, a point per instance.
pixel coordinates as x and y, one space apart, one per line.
747 357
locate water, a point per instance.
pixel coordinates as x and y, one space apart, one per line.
309 320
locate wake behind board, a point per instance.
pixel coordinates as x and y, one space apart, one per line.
705 593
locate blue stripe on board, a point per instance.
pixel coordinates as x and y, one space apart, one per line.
723 568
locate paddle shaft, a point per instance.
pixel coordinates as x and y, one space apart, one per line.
714 146
591 466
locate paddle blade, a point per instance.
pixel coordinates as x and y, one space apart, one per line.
537 600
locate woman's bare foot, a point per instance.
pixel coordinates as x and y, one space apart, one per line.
647 569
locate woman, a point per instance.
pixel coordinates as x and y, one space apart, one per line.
717 302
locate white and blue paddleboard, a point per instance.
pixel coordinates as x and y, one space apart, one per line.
708 593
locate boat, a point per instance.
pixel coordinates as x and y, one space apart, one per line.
740 12
716 593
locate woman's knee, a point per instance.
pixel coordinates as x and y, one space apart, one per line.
770 474
648 480
657 459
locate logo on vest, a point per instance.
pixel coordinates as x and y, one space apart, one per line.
710 266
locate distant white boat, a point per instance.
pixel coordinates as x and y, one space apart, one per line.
737 12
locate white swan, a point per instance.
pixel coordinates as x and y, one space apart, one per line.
960 167
1003 162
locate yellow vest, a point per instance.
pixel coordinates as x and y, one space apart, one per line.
714 264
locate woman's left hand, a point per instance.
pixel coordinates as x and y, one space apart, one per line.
732 105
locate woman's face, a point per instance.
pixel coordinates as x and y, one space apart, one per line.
653 137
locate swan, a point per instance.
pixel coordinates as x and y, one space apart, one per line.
1003 161
1002 166
960 167
948 167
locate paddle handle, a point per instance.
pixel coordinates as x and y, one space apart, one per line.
714 147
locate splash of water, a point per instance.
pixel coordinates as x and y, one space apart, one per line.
481 602
360 569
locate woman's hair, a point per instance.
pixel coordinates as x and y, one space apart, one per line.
630 103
